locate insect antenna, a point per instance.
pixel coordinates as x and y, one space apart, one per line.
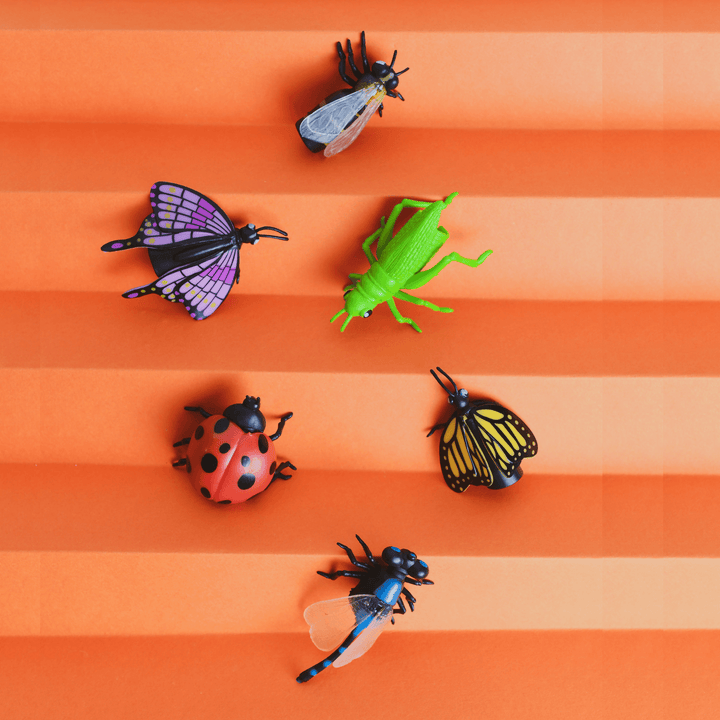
393 60
274 229
441 383
402 71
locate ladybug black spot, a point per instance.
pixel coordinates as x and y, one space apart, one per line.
245 461
199 432
263 444
272 468
224 502
209 463
205 492
246 481
187 465
224 448
222 425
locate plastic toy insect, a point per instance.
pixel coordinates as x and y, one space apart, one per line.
400 262
340 118
229 457
355 622
194 248
483 442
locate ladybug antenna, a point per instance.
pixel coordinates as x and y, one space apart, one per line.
274 229
442 384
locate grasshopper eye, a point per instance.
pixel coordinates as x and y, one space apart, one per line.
367 314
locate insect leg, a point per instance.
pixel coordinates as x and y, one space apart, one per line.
204 413
421 278
366 245
180 463
411 600
368 554
340 573
401 609
434 428
363 52
184 441
280 427
341 65
352 557
279 471
351 59
399 317
400 295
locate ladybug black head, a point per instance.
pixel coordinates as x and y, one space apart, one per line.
405 561
247 416
250 234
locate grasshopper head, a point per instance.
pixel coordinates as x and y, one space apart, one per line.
357 304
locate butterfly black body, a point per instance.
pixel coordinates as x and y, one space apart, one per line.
194 248
483 443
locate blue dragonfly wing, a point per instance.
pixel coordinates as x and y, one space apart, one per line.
331 621
366 639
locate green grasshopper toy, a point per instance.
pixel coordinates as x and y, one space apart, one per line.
400 262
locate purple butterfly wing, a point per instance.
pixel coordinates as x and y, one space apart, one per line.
200 287
179 215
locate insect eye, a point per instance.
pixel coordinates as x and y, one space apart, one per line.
464 392
367 314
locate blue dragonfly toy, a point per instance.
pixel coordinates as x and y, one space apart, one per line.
352 624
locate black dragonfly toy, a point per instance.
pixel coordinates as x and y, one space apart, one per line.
339 119
355 622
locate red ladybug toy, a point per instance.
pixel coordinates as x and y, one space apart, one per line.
229 457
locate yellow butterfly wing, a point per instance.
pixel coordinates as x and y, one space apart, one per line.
463 460
503 435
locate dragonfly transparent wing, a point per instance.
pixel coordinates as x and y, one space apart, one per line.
347 137
328 121
367 637
331 621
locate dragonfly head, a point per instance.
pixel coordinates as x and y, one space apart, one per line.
406 562
247 415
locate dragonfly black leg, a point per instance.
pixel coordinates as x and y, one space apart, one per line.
352 557
180 463
366 549
411 600
340 573
204 413
400 608
184 441
341 65
279 471
351 59
280 427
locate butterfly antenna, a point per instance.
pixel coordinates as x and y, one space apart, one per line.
274 229
272 237
441 383
393 60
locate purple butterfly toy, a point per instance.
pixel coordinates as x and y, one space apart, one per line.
194 249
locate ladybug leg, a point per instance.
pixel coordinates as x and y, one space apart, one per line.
368 554
352 557
184 441
435 427
280 468
400 608
280 427
180 463
340 573
204 413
